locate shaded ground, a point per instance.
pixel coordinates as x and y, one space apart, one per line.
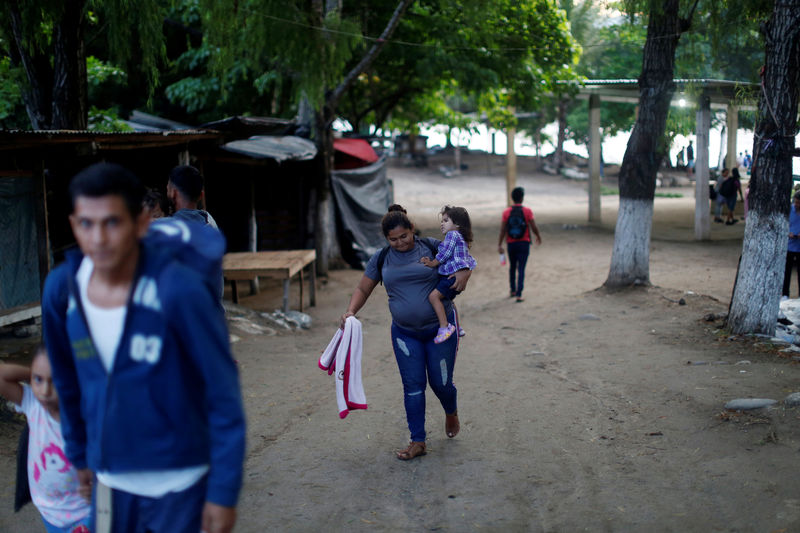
569 422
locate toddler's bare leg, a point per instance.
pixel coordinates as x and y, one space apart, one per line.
435 298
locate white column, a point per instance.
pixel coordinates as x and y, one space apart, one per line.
702 219
511 162
594 159
732 122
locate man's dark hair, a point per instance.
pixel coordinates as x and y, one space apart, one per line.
188 181
105 179
517 195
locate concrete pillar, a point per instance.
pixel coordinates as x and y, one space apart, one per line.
594 159
732 122
702 218
511 162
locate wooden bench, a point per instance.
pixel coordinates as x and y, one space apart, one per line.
18 314
283 265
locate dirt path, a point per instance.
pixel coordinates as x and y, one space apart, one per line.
579 410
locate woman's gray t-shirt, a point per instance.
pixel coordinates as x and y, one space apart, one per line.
408 284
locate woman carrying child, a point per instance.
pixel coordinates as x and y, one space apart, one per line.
453 256
52 479
414 324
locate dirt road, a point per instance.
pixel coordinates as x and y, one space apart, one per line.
579 408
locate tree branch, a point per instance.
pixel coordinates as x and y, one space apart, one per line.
336 94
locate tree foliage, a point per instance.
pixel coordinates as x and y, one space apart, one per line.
48 41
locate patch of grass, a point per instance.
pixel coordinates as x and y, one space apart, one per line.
669 195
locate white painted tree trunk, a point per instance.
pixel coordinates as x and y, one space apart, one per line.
630 259
754 308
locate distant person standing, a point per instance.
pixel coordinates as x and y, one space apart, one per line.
690 159
185 192
793 248
516 229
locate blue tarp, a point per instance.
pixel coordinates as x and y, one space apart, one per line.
19 260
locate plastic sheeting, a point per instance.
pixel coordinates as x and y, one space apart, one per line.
287 148
362 196
19 261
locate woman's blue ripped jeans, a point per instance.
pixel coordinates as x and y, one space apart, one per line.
422 361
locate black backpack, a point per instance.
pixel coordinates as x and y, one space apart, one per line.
728 188
517 225
385 250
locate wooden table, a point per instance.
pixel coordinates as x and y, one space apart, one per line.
283 264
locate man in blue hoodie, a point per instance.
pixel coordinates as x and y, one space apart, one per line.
185 192
151 407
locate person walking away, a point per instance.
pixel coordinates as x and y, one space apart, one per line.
516 228
150 396
690 159
729 189
453 255
53 480
793 247
414 324
186 193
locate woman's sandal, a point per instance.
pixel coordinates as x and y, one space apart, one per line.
451 425
414 449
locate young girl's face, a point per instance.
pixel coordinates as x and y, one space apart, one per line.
42 383
447 224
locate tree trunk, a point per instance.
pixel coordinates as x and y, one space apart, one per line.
327 245
630 259
754 306
37 96
558 159
56 96
70 89
325 223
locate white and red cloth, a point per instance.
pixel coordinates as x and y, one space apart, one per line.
343 356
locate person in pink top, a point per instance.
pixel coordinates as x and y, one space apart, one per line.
52 479
516 229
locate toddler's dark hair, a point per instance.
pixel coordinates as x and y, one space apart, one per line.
153 198
39 351
395 217
460 218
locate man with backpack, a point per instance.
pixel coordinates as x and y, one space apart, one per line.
151 407
516 229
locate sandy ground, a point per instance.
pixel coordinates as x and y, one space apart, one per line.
570 422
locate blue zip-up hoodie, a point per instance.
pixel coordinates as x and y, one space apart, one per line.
172 398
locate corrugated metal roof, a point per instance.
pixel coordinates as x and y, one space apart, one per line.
285 148
20 139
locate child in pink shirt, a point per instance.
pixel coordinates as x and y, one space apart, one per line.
52 479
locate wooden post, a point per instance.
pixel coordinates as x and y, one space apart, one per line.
511 162
252 230
702 218
732 122
42 231
594 159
